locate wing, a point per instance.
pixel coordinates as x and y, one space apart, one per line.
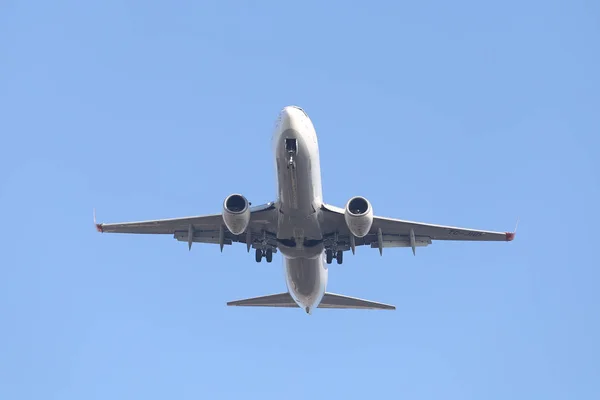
206 228
389 232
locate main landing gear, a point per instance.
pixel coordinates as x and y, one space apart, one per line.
268 254
329 255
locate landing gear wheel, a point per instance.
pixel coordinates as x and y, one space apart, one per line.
329 256
339 257
269 255
259 255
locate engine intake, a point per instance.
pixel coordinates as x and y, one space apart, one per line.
359 216
236 213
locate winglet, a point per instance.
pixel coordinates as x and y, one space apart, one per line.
510 236
98 226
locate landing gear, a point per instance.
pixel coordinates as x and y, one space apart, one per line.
291 147
268 254
329 255
259 255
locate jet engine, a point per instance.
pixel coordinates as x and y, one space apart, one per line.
236 213
359 216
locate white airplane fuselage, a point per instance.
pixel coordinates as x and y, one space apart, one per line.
299 201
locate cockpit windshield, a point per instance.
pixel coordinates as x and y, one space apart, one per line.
298 108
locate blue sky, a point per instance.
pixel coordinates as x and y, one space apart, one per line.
463 113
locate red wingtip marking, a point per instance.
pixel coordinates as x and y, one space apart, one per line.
99 228
510 236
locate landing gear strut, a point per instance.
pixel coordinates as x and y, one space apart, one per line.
260 253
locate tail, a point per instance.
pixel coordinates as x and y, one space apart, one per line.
330 300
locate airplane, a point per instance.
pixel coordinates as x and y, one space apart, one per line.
308 232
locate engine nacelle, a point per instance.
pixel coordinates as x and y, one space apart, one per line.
359 216
236 213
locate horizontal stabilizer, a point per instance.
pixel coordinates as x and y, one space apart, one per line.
272 300
330 300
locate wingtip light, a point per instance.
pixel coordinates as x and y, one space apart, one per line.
510 236
98 226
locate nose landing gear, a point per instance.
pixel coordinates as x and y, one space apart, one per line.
291 147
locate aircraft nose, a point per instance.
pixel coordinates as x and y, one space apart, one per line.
290 110
287 117
290 117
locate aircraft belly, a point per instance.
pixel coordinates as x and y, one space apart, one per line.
295 186
306 280
298 211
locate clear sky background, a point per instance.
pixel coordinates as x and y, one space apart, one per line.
463 113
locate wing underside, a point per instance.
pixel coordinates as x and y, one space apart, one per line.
330 300
389 232
206 228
